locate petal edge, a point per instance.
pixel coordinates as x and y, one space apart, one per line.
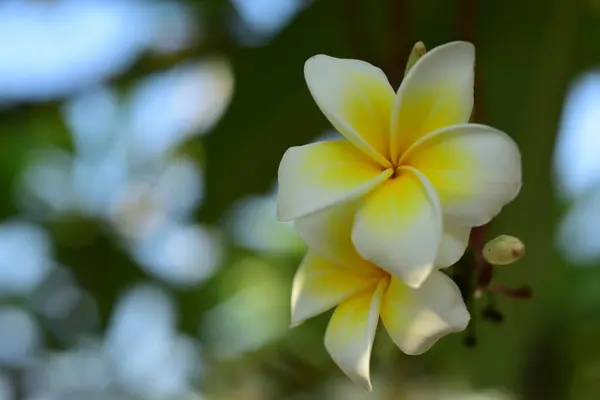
476 169
437 92
350 334
417 318
320 285
318 175
356 98
399 227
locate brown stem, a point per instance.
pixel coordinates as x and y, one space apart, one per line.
477 242
467 30
485 274
484 271
467 19
355 29
400 44
523 292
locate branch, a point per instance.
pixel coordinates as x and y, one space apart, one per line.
400 43
467 30
353 24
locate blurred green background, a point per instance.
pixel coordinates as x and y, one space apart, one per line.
140 257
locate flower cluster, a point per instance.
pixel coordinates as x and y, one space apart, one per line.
384 209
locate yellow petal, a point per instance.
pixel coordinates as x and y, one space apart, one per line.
475 169
399 227
417 318
437 92
328 233
350 334
357 99
320 284
455 240
316 176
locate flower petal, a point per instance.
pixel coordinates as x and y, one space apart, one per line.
437 92
455 240
318 175
350 334
475 169
399 227
357 99
329 234
320 284
417 318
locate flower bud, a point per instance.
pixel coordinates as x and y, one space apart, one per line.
503 250
416 53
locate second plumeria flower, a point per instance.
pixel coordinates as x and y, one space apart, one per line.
333 275
422 174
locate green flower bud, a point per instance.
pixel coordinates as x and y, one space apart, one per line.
416 53
503 250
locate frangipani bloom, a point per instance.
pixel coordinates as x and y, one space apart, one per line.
333 273
422 175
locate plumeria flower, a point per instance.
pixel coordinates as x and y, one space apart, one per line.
422 175
333 273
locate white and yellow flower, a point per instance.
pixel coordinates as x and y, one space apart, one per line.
334 274
422 174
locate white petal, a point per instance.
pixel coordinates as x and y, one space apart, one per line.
475 169
328 233
437 92
455 240
417 318
319 175
399 227
357 99
320 284
350 334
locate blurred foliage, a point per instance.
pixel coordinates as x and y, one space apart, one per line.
527 55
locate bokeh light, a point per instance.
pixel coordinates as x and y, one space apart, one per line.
140 253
